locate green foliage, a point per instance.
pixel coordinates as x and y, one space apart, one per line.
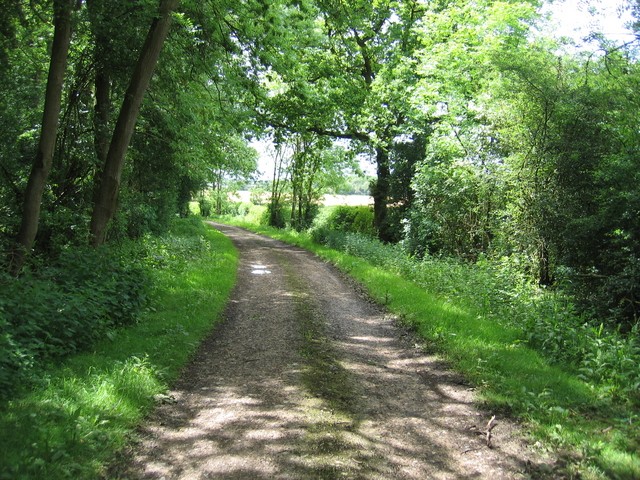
205 205
237 209
529 155
276 215
250 214
61 228
181 138
572 186
502 295
213 202
352 184
63 430
60 310
342 218
453 210
84 409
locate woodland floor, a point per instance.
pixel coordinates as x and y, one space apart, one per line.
307 379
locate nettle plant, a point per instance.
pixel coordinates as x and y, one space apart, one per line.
52 312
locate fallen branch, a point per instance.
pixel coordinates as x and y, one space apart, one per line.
490 427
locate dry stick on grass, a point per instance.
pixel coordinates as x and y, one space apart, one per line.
490 427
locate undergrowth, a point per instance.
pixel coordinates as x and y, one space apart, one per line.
80 410
573 382
53 311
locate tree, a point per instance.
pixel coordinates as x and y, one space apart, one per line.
458 187
48 133
23 74
106 203
406 153
281 160
231 158
350 81
315 162
459 192
570 126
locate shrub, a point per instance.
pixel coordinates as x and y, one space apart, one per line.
205 206
276 215
55 311
344 218
236 209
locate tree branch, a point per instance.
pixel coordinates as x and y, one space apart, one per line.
363 137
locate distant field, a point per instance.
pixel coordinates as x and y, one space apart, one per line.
352 200
329 200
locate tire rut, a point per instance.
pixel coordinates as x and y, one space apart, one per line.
306 379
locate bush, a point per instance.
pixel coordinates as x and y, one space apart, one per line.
206 207
236 209
59 228
344 218
276 215
135 219
55 311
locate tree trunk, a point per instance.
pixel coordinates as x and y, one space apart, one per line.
101 118
102 81
48 134
544 273
380 194
219 193
106 204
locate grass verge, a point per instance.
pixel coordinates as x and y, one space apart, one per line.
84 409
595 438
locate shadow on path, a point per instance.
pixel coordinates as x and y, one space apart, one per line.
305 379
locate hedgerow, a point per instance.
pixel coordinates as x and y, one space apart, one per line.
344 218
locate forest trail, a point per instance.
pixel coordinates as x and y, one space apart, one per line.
306 379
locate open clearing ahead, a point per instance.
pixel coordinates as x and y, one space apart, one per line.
306 379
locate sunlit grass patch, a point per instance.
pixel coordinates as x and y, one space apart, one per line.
68 428
619 464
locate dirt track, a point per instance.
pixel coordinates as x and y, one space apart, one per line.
306 379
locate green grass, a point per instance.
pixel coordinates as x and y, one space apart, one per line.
83 410
597 436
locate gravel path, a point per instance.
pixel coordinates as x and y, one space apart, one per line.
306 379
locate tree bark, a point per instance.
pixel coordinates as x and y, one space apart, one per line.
107 201
380 194
101 113
48 134
102 81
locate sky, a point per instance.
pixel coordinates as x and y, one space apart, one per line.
578 18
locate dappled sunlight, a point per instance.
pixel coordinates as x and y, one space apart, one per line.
373 339
266 427
242 435
307 381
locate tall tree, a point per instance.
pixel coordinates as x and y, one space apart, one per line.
457 185
102 81
315 164
48 133
106 203
350 81
570 124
